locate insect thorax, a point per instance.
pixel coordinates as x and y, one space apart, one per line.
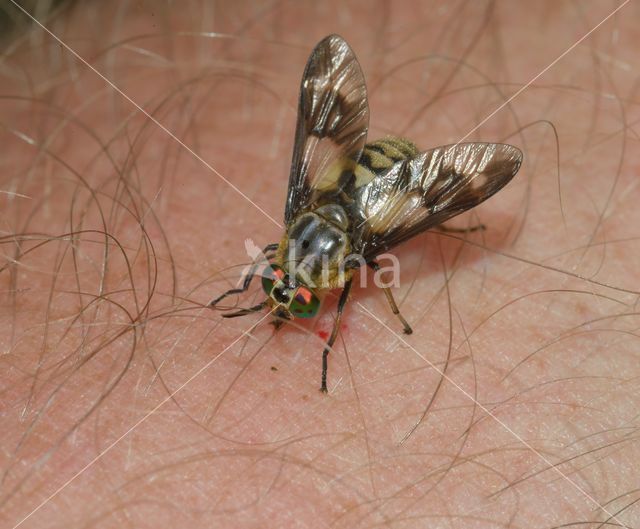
314 247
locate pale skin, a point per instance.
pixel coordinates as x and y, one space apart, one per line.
524 352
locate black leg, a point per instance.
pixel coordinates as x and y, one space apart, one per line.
247 279
392 302
244 312
334 334
471 229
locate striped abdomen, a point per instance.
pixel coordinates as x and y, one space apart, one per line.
381 154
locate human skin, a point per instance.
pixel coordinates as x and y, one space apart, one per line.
127 403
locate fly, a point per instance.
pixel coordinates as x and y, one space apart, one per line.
348 201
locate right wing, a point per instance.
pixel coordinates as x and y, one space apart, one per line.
333 120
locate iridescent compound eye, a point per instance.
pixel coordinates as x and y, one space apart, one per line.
305 304
271 274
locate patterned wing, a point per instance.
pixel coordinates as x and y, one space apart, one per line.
333 119
419 193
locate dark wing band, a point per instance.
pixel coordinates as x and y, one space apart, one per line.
417 194
333 119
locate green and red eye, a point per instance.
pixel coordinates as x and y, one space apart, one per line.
304 304
270 275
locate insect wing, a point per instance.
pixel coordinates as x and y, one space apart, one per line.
333 119
420 193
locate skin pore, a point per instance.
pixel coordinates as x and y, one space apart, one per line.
125 402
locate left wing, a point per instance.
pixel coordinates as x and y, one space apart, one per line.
416 194
333 120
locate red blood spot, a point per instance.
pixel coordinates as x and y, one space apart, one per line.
324 335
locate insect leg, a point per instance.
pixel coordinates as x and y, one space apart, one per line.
334 333
244 312
392 302
247 278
